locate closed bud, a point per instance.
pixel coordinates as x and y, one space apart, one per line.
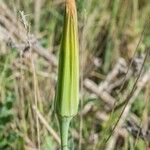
67 93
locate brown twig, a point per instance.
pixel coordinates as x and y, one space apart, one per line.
49 128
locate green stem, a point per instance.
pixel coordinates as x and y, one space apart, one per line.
64 123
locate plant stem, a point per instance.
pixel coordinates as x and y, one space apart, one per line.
64 123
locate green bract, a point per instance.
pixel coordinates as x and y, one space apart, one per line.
66 100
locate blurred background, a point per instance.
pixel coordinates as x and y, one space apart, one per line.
114 112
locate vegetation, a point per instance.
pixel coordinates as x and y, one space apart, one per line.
114 43
67 94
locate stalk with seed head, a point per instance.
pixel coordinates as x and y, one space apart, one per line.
67 92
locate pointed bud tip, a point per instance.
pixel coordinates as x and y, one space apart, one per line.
71 6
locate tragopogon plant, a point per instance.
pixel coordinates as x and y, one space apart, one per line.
67 93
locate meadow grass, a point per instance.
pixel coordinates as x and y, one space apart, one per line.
28 80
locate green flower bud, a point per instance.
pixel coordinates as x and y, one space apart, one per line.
67 94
